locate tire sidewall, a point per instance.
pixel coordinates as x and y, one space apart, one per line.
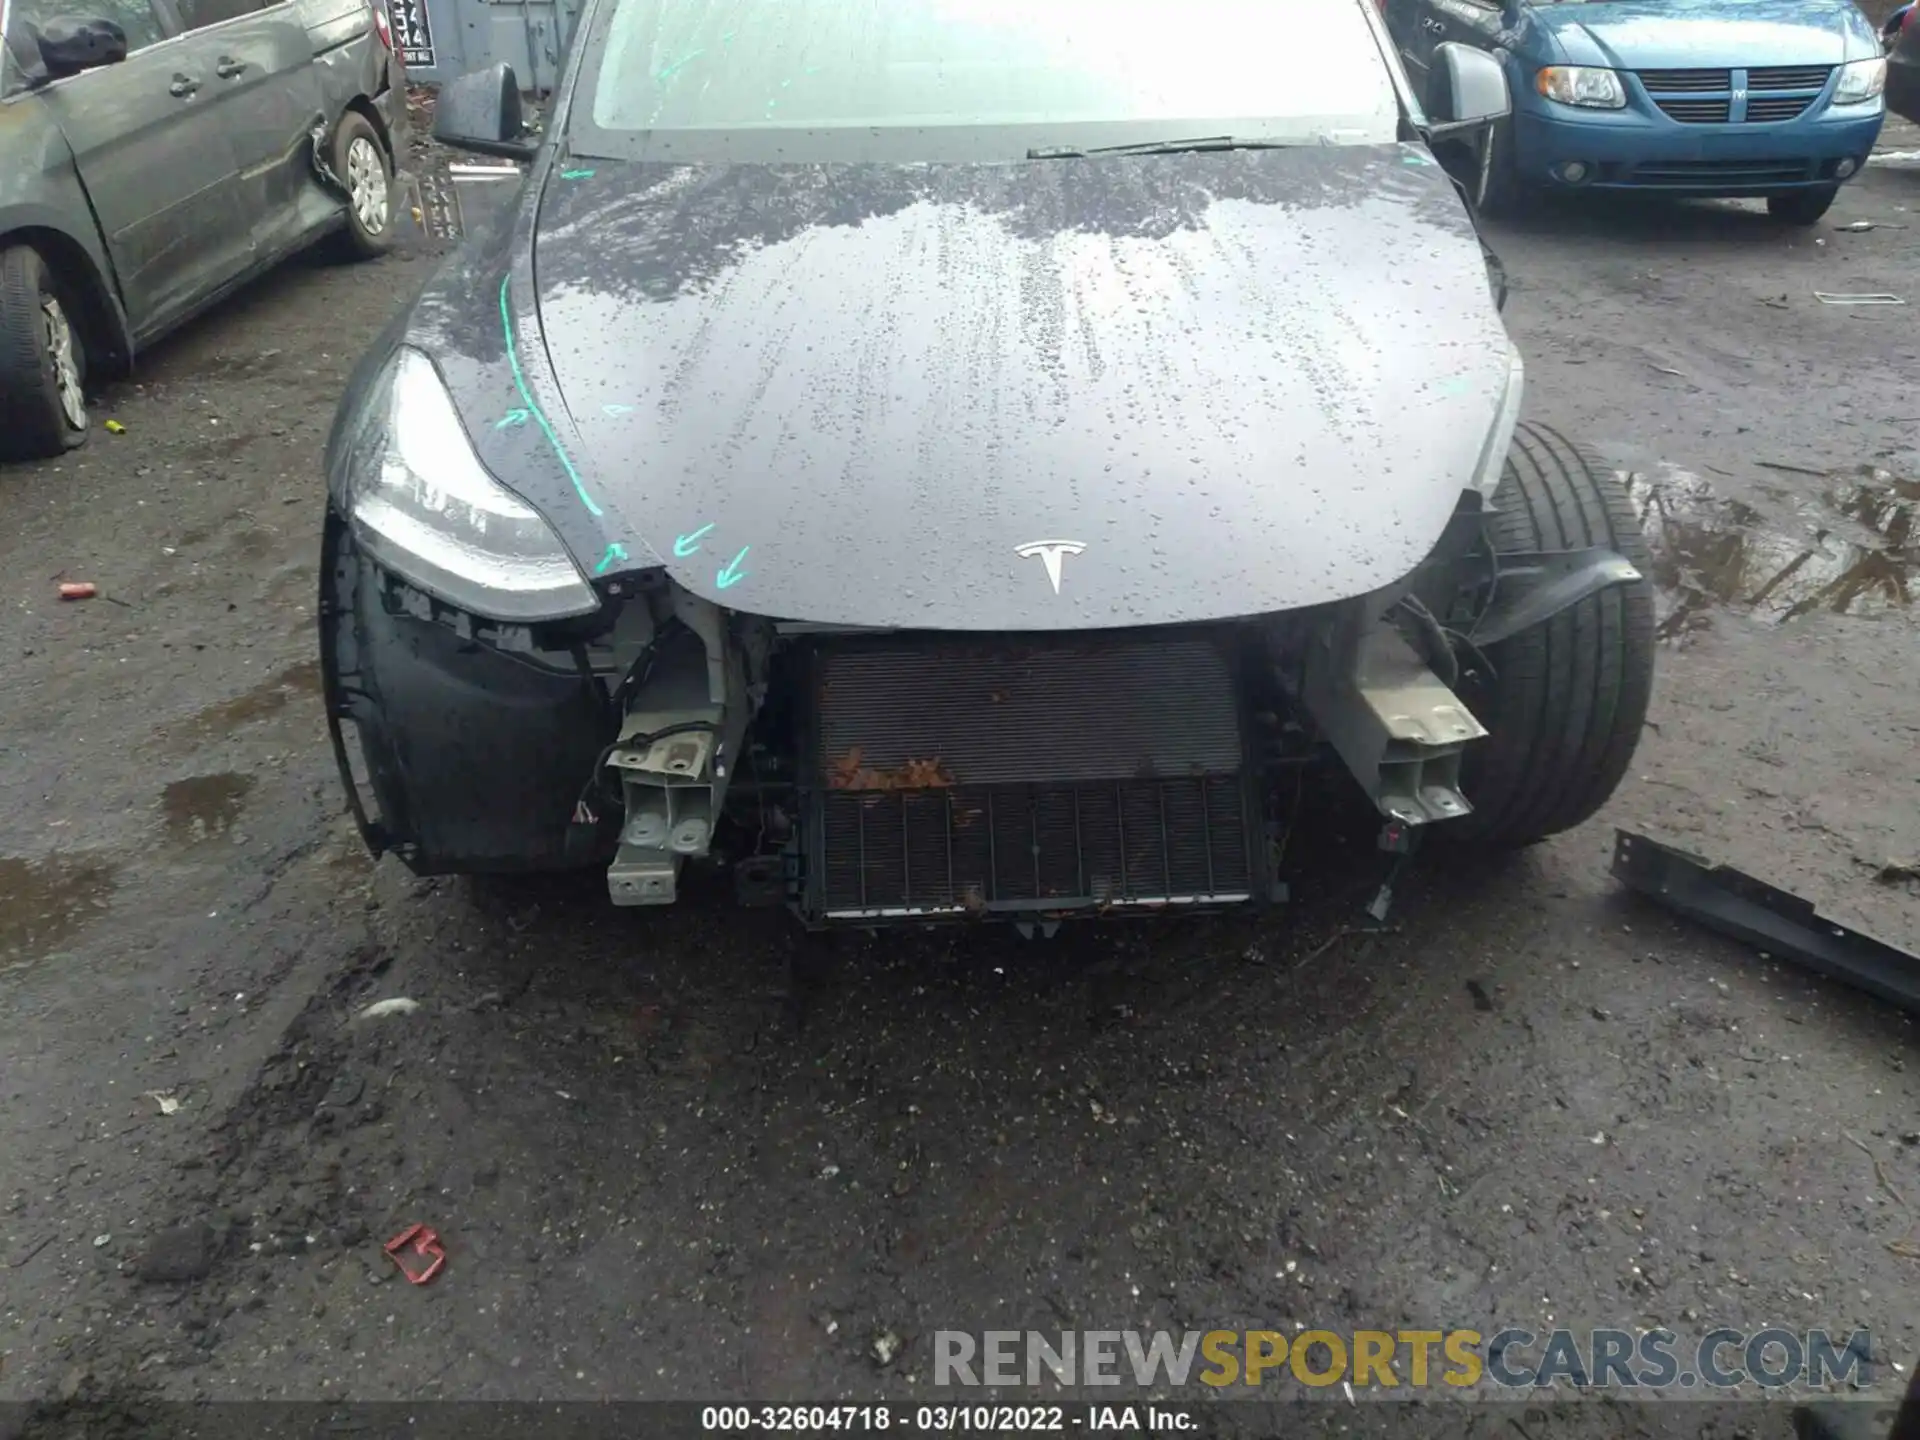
1803 207
1568 697
45 284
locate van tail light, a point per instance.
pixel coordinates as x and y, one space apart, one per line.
383 23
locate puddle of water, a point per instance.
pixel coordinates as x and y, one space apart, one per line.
1854 555
44 901
268 698
204 806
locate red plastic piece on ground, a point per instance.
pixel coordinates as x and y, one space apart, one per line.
78 590
410 1247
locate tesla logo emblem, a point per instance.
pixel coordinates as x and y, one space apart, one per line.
1050 552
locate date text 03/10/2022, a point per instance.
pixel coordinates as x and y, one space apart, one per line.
948 1419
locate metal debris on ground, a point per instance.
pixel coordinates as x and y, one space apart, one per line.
1879 1170
1825 299
168 1103
114 427
1736 904
31 1249
1345 932
398 1005
418 1252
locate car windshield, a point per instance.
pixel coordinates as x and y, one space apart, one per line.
934 79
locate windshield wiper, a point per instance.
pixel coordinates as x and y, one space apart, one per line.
1152 147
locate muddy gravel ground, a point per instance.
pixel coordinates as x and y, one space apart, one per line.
698 1154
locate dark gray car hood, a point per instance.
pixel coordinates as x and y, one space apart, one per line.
1241 381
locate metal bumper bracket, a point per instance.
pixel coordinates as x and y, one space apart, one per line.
1399 729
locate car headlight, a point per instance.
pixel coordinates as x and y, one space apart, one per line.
1583 85
1861 81
423 506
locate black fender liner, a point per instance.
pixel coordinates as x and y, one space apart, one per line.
1536 585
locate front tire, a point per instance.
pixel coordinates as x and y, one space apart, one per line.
1802 207
43 361
1569 697
360 161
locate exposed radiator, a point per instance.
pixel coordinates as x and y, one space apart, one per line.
967 775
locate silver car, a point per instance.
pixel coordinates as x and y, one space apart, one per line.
155 155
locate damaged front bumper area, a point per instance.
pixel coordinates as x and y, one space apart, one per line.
459 745
886 777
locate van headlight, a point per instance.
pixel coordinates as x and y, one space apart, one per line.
422 505
1861 81
1582 85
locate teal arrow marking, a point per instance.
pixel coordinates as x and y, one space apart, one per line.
615 551
576 174
726 579
513 417
667 72
616 411
533 409
685 545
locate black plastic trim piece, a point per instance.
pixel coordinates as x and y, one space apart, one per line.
1738 905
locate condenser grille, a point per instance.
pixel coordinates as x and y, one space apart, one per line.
1036 847
977 774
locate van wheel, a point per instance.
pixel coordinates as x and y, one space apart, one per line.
360 161
1802 207
43 361
1568 698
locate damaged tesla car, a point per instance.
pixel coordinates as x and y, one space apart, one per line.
945 458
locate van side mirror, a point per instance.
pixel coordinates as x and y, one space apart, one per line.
1466 87
481 112
69 44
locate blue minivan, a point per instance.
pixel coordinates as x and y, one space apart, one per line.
1780 99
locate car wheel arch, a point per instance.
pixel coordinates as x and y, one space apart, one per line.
105 333
361 105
